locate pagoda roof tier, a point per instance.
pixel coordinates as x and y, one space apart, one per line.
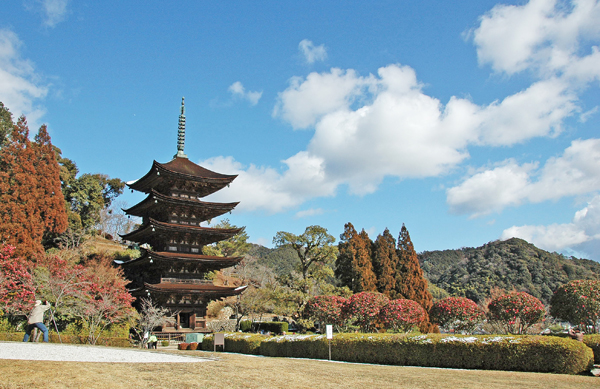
154 232
158 206
208 290
207 262
183 174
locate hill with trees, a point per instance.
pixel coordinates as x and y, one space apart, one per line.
513 264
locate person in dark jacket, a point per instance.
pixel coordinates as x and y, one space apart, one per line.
36 320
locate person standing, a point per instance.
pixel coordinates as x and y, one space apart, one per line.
36 320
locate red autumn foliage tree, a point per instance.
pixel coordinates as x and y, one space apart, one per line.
17 290
516 311
457 314
402 315
108 301
363 309
31 202
326 310
385 260
578 302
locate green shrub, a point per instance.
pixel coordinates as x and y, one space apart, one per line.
237 343
164 343
246 325
522 353
593 342
274 327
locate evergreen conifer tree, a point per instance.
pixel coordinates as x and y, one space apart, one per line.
385 261
354 268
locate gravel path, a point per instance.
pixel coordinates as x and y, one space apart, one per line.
83 353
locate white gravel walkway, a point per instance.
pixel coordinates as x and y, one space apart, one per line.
86 353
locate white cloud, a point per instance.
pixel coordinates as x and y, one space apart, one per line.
576 172
238 90
582 235
52 11
265 188
545 35
491 190
311 52
20 85
309 213
306 101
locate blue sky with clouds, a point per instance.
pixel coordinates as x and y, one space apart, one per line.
468 121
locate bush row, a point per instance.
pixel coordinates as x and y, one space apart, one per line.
70 339
593 342
517 353
275 327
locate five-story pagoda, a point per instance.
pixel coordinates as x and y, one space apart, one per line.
171 270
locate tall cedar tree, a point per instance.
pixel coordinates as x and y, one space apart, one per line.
24 189
385 261
51 200
410 282
367 281
354 268
6 124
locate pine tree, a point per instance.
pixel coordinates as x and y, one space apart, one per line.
410 282
385 261
30 196
354 268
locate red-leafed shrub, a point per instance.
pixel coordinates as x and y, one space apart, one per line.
182 346
17 290
578 302
402 315
516 311
192 346
363 309
457 313
326 309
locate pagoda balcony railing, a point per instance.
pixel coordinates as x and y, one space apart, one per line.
186 281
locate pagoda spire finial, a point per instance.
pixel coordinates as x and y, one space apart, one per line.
181 131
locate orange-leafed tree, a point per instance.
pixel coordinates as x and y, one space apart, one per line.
410 282
385 261
51 201
31 201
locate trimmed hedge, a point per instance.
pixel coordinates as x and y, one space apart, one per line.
69 339
593 342
245 325
237 343
274 327
519 353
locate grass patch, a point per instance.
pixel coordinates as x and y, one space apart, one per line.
243 371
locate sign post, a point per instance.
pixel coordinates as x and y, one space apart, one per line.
329 330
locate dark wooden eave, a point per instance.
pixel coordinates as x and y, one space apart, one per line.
208 290
208 262
181 171
154 231
157 206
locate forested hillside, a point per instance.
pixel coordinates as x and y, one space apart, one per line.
511 264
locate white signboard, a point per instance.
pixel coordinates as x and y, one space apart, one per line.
329 330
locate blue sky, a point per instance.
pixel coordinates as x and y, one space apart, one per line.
468 121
